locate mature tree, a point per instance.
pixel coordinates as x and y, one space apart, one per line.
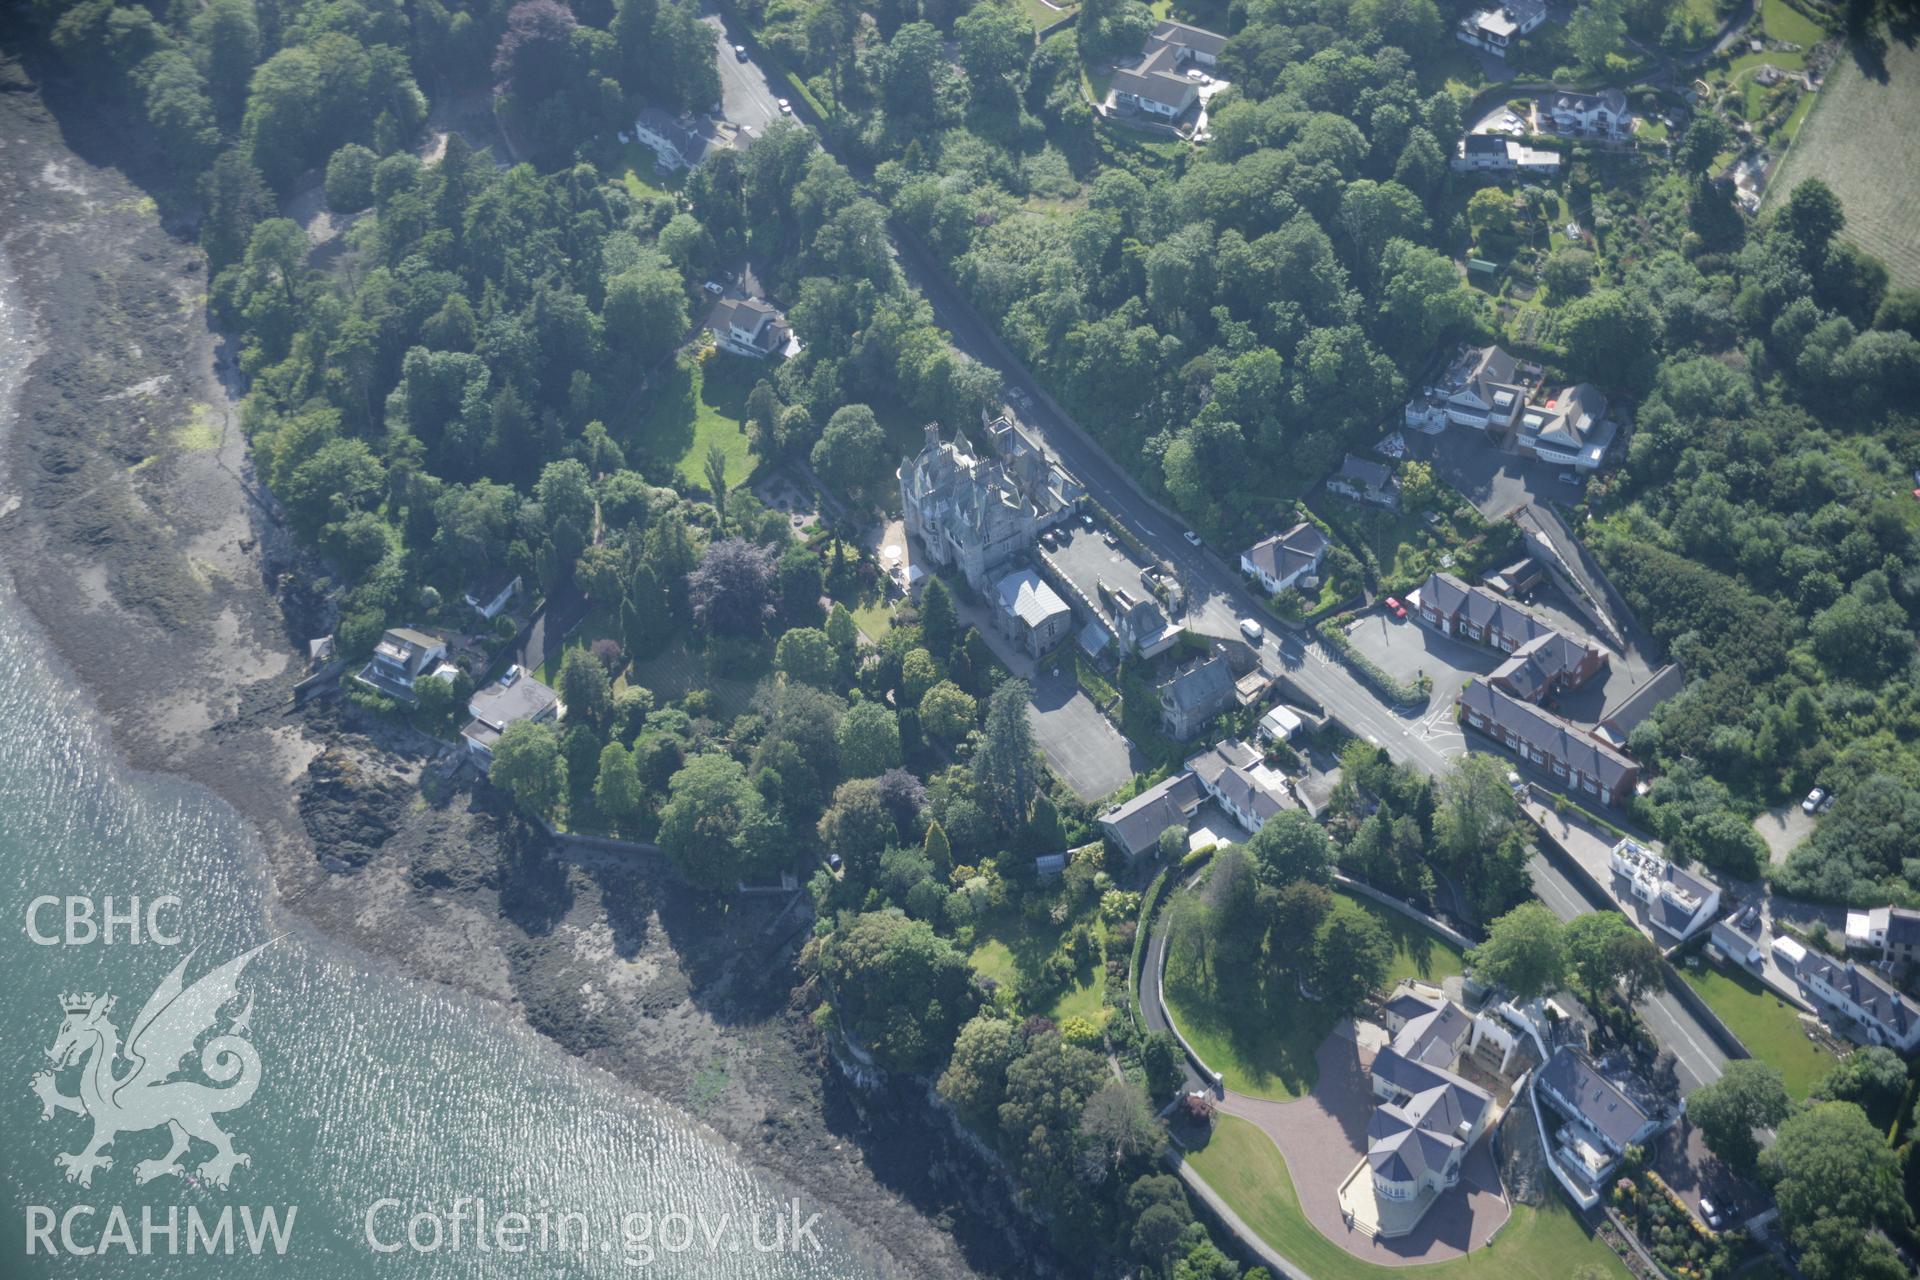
1706 137
645 312
616 789
1047 1090
844 635
349 183
732 589
975 1080
947 712
1873 1079
527 766
898 988
939 849
1351 953
851 448
1171 844
803 654
1603 948
1748 1096
857 826
1006 768
584 686
1119 1122
1476 810
533 60
1609 334
1829 1163
802 578
939 626
1290 846
869 740
1525 952
1569 272
714 825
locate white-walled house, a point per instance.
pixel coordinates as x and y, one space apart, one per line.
1885 1015
1496 29
1282 560
514 697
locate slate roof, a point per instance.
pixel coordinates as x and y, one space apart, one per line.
1422 1131
1903 927
1537 664
1368 475
1285 554
1867 989
1026 596
487 589
1227 767
1137 824
1205 684
1627 714
1199 39
1601 1103
1549 734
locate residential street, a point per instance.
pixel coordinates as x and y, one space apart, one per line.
1217 599
746 95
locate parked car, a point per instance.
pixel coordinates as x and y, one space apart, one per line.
1815 801
1397 609
1086 520
740 52
1571 477
1192 537
1253 631
786 108
834 862
1111 538
1710 1212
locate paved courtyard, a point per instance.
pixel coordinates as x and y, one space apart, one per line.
1086 559
1407 650
1323 1136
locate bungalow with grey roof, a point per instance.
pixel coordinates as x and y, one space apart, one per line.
1134 827
1366 481
1282 560
489 595
1165 81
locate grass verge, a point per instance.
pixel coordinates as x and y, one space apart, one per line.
1766 1024
1247 1170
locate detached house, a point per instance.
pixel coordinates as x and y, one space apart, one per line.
493 593
751 327
1237 777
681 142
1366 482
1283 560
1426 1118
1598 1117
1492 153
1571 429
1678 903
1196 695
1142 628
1593 115
1165 82
1134 827
514 697
403 657
1484 389
1496 29
971 513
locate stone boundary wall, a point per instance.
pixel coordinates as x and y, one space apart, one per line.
1451 934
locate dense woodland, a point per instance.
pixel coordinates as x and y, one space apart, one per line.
463 384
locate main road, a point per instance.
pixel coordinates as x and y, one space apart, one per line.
1217 598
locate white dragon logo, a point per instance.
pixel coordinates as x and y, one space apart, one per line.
147 1096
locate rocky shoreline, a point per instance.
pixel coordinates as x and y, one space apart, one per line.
136 535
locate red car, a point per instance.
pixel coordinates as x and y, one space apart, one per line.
1397 609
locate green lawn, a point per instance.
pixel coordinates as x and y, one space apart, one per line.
1784 22
1045 15
601 623
1010 951
701 403
1246 1169
1261 1036
671 674
874 617
1766 1024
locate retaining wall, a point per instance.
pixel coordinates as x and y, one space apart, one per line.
1448 932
